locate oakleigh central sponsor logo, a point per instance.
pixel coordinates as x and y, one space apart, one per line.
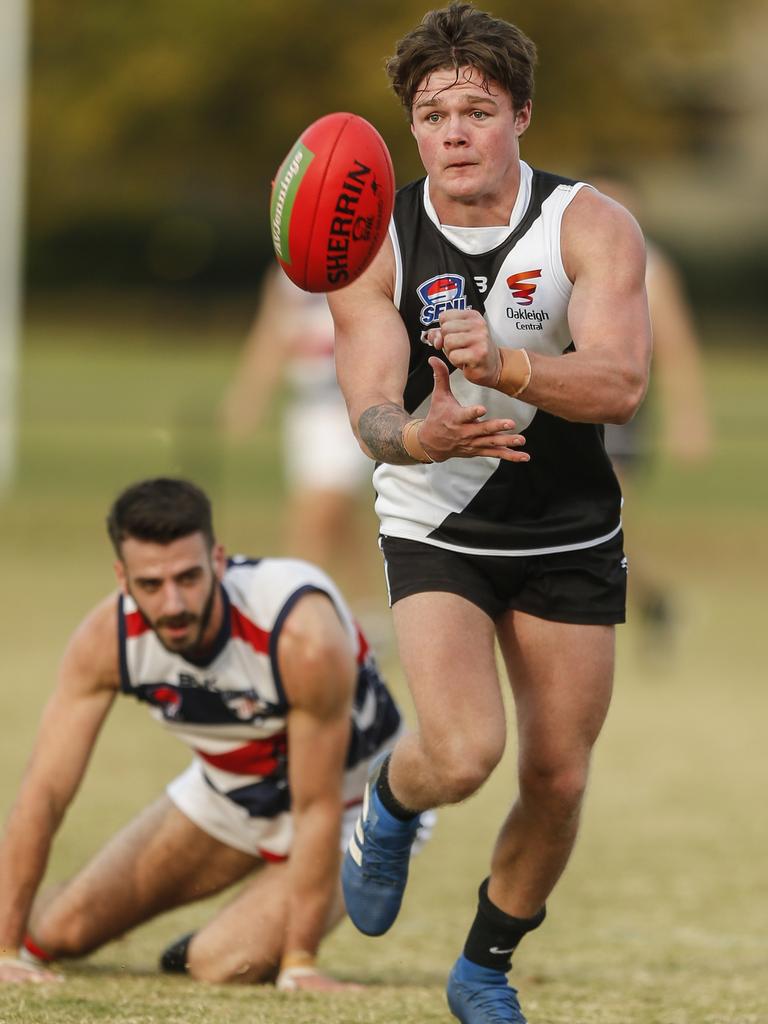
527 319
521 286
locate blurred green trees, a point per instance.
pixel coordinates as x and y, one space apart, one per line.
156 125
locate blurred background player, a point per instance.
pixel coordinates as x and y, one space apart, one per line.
684 430
261 669
291 341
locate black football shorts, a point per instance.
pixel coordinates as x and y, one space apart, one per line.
587 586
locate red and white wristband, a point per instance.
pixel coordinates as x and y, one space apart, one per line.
33 954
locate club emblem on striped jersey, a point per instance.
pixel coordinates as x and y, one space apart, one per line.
167 698
445 291
521 286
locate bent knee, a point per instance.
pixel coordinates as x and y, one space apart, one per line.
462 771
561 788
233 967
72 937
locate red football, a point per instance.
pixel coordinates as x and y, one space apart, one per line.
331 202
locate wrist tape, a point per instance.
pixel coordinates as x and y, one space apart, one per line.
295 965
514 371
412 444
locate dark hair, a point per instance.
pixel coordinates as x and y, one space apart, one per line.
460 36
160 510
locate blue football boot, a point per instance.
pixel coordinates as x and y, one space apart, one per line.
479 995
375 867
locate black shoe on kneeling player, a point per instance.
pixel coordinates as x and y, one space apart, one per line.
173 959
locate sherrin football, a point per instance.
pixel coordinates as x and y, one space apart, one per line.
332 202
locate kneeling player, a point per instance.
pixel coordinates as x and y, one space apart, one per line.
260 668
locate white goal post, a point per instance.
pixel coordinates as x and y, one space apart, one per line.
13 73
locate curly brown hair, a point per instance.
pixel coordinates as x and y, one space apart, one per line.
460 36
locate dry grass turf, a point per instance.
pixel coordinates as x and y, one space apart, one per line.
661 917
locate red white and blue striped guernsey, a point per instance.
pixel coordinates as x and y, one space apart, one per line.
232 710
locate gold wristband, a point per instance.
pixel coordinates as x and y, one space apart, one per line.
297 958
514 371
412 444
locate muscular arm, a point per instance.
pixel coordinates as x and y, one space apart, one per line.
318 668
605 379
372 354
380 428
372 358
86 685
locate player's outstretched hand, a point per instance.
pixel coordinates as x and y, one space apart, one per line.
452 430
310 979
16 971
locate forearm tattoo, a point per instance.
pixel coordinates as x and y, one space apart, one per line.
381 428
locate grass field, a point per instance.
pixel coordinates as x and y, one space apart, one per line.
662 917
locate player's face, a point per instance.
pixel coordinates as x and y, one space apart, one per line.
176 588
467 134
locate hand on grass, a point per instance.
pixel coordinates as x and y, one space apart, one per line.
16 971
310 979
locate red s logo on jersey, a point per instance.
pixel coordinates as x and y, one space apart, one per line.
522 289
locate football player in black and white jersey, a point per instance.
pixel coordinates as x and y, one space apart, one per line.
261 669
503 321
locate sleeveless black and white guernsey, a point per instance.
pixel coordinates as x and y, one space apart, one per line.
567 496
232 710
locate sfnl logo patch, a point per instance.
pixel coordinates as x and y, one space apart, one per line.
446 291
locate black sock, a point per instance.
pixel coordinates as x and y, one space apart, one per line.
388 798
494 935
